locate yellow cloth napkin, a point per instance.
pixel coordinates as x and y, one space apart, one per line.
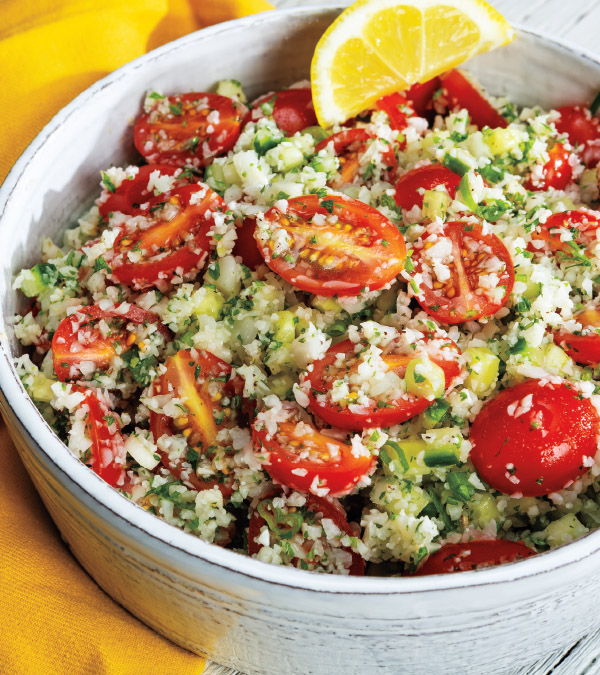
54 619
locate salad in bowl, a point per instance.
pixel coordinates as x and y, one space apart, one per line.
370 348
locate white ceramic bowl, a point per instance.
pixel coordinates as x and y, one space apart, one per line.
240 612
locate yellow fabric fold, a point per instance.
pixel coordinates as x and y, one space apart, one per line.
54 619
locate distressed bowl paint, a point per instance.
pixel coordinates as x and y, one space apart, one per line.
240 612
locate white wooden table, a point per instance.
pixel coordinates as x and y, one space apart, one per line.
579 22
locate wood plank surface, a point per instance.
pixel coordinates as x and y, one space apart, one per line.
578 21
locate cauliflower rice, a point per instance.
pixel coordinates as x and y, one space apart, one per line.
255 342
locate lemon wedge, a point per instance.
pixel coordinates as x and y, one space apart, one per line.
376 47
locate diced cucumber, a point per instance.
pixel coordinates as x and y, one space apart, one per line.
230 174
556 358
483 366
589 178
521 506
483 509
532 291
265 140
318 133
325 163
442 446
231 89
491 209
590 513
501 141
435 204
437 411
281 384
39 278
564 530
441 456
326 304
40 388
398 458
284 157
550 356
210 304
215 178
455 164
285 326
424 378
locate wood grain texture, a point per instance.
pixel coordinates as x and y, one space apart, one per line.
578 22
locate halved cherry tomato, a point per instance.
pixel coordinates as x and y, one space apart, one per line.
348 145
133 192
583 348
474 555
245 244
557 172
347 415
534 438
328 508
175 245
293 109
207 385
421 95
481 273
189 129
585 223
579 125
104 430
398 108
461 93
305 459
334 245
77 340
410 188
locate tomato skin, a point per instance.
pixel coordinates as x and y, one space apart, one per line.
338 474
534 445
421 95
245 244
344 139
184 136
462 93
348 144
583 349
344 273
100 349
427 177
133 192
108 449
402 409
461 301
578 123
329 508
586 222
293 109
557 171
185 235
398 108
472 555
